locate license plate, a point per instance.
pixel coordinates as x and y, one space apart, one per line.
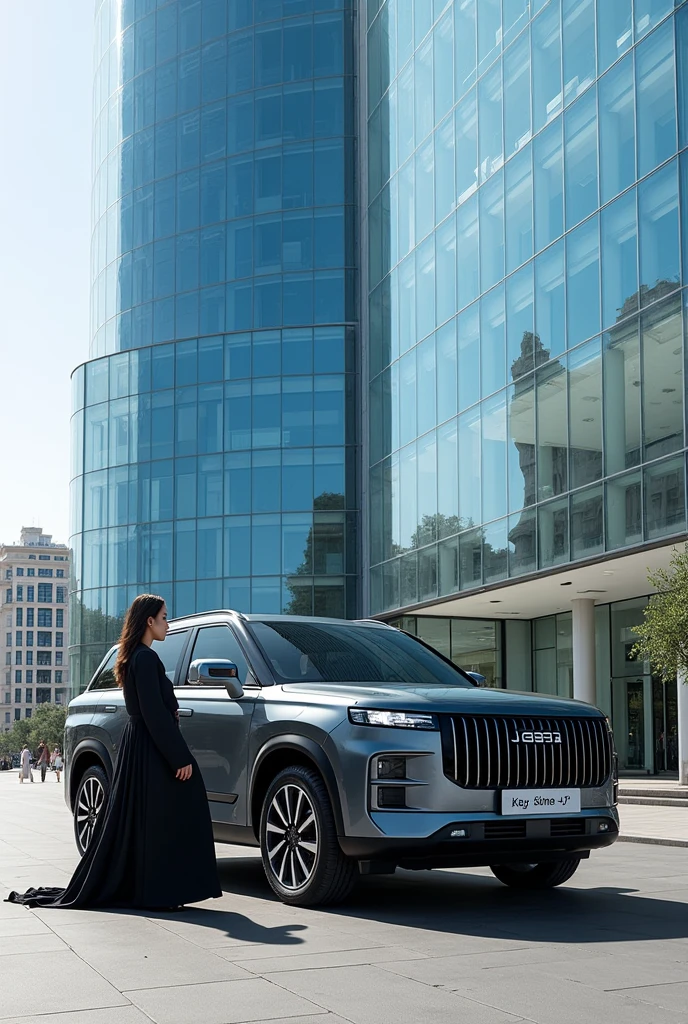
541 801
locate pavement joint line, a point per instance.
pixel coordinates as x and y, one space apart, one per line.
655 984
652 840
59 1013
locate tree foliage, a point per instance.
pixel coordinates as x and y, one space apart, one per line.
663 633
47 723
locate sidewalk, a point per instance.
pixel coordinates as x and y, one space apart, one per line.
666 826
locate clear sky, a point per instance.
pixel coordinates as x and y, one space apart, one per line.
46 60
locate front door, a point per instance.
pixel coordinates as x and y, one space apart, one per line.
665 725
217 728
628 722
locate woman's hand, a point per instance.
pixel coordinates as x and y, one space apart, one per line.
184 773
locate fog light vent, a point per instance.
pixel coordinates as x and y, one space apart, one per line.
391 796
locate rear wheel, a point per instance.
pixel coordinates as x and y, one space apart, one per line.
91 797
535 876
298 840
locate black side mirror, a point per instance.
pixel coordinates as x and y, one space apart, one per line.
218 672
477 678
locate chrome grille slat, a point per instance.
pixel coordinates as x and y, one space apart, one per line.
480 753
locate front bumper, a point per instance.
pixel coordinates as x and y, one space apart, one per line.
491 841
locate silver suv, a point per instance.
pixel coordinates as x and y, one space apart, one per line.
343 747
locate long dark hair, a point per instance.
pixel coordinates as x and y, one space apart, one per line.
142 608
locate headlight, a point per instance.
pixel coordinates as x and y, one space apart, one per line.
392 719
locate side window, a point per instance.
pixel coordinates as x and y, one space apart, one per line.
169 651
220 642
106 679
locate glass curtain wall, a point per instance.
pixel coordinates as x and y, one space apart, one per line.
528 188
214 433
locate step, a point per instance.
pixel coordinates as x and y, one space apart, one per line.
652 801
659 792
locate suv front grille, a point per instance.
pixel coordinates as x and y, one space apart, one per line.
481 752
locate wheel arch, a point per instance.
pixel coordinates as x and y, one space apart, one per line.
281 752
88 753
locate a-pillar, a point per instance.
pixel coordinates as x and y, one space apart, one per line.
682 702
584 670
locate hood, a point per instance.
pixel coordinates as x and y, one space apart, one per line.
456 699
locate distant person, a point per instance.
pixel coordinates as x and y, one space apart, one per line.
56 761
152 846
43 758
25 765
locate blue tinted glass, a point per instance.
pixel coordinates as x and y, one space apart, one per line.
162 425
656 99
186 360
329 410
186 421
163 367
210 485
297 479
210 418
580 160
185 550
268 56
240 62
214 71
265 485
237 546
266 354
237 482
492 341
619 259
550 313
266 545
617 129
583 282
548 188
329 350
614 31
184 488
658 223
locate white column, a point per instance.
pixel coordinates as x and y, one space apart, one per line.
682 702
584 672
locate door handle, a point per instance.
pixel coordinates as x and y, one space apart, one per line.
185 712
110 709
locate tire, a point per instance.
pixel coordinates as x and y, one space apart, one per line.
535 876
297 818
91 797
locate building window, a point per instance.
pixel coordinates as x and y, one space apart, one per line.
58 657
43 558
20 572
59 558
43 696
17 714
30 572
29 696
59 573
32 558
45 618
20 593
58 679
18 658
59 639
29 638
29 654
19 616
29 593
27 713
59 618
45 572
44 658
8 574
17 696
44 639
8 696
8 718
18 676
8 658
8 595
8 640
60 594
18 638
45 593
29 676
29 616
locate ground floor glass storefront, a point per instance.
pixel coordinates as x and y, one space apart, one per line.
537 655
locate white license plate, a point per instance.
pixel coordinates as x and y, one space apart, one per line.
541 801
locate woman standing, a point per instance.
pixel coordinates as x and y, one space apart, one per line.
56 762
25 765
153 845
43 759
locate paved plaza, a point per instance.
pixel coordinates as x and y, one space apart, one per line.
441 946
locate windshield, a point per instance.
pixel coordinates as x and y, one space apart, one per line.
304 652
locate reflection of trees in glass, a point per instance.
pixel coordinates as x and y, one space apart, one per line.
301 591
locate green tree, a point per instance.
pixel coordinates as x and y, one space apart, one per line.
47 723
663 639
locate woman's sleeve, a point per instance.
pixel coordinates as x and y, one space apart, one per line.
159 722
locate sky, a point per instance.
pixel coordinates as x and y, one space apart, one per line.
46 69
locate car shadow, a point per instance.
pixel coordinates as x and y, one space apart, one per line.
458 902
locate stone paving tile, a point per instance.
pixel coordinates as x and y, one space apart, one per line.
227 1002
668 997
25 944
114 1015
60 981
445 970
309 961
368 995
25 925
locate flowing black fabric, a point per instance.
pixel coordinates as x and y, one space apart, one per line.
153 845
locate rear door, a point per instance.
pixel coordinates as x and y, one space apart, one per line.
216 727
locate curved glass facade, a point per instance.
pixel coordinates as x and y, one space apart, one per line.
528 189
214 428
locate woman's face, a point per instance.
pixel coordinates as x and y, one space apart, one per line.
159 625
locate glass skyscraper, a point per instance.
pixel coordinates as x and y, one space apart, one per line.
389 319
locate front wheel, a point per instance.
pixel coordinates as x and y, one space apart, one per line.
91 797
298 840
535 876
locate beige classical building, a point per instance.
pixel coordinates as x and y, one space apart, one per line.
34 668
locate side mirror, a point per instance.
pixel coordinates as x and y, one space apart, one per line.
218 672
477 678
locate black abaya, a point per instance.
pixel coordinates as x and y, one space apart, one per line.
153 846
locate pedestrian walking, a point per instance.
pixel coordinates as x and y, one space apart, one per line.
43 758
152 846
56 761
25 765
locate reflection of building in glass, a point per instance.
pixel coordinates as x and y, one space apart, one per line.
526 322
